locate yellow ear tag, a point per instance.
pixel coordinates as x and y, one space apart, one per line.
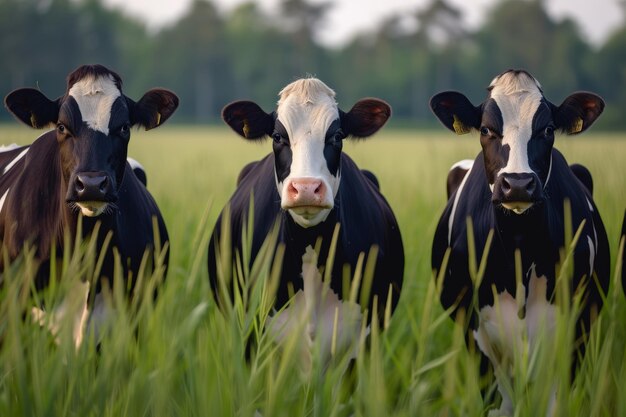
577 126
33 121
246 128
158 118
459 127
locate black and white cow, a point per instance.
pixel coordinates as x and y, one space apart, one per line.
517 186
309 185
81 167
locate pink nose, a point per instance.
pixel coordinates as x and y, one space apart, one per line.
305 192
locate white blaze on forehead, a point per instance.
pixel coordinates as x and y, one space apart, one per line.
306 109
518 97
95 97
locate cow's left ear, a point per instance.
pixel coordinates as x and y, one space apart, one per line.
248 119
578 112
456 112
32 107
365 118
153 109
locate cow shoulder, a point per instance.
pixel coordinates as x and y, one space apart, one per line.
470 200
258 181
31 210
360 203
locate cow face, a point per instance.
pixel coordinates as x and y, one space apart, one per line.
93 121
517 126
307 130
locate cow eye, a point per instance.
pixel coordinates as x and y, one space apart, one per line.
125 130
277 138
61 129
339 135
484 131
549 131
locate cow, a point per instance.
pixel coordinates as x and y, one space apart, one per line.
517 187
307 185
76 176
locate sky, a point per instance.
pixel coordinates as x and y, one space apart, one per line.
596 18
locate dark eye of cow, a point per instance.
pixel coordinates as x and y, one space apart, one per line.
62 130
339 135
277 137
125 130
484 131
549 131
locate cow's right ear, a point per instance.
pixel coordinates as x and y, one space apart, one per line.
455 111
32 107
153 109
248 119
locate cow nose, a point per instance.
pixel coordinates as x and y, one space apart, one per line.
520 188
90 186
306 192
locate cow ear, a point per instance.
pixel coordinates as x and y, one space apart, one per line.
32 107
455 111
153 109
578 112
248 119
365 118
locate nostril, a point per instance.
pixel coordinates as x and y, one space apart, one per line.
530 187
104 184
80 187
506 186
319 188
292 190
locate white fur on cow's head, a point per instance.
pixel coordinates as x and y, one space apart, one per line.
95 96
306 109
518 96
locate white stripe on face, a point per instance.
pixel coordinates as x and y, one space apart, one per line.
306 109
518 97
95 97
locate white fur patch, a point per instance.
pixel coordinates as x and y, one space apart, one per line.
463 164
10 147
457 196
74 305
592 254
95 97
14 161
317 317
518 97
4 197
502 335
306 109
134 164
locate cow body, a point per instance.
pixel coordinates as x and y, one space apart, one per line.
81 168
339 194
517 187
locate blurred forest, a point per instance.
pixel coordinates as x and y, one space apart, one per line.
210 58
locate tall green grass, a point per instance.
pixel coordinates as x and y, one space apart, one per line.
182 356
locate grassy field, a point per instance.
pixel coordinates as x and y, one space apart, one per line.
181 356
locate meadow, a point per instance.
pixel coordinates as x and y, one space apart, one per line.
181 356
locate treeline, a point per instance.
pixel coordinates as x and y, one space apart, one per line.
209 58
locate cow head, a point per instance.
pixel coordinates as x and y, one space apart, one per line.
517 126
93 120
307 130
